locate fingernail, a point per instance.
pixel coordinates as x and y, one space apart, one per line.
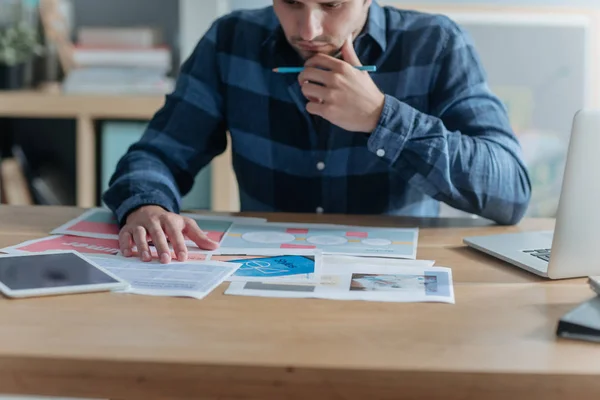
165 258
127 253
181 256
146 255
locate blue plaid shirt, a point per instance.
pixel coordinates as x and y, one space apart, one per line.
442 136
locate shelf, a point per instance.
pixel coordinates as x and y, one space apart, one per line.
32 104
85 109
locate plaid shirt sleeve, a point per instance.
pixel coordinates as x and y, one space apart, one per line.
464 152
182 138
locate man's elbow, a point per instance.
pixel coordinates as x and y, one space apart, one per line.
514 212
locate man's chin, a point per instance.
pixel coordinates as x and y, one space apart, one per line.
306 54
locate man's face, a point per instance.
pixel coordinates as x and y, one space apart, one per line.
320 26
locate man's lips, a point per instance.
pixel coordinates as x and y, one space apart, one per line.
311 47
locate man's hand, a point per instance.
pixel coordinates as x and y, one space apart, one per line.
156 224
348 97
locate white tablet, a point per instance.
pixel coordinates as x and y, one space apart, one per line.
53 273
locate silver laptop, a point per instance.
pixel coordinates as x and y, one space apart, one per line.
570 250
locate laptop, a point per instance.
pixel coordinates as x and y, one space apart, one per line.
569 251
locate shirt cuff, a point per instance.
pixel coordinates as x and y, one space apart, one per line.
395 126
146 199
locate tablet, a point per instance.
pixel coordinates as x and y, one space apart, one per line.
53 273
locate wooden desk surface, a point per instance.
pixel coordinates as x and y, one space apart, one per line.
34 104
496 342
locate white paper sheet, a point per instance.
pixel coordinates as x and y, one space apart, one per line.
340 264
364 282
188 279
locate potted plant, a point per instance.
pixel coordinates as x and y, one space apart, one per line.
18 45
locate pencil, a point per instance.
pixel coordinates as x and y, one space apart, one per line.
293 70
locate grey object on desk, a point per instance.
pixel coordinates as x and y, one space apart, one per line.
582 323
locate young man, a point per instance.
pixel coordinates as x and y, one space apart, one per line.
423 129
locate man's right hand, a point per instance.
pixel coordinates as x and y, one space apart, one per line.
156 224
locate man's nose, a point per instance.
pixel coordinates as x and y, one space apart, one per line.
311 25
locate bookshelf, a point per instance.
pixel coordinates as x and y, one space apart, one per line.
86 110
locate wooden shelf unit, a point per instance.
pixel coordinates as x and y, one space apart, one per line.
86 109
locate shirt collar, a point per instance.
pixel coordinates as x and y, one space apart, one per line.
375 27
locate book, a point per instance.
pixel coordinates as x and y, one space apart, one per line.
124 37
15 185
159 58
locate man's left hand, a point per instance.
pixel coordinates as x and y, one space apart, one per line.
348 97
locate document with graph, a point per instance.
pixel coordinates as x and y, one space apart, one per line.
332 239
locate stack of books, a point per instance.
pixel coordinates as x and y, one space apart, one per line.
120 61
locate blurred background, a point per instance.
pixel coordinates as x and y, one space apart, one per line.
79 79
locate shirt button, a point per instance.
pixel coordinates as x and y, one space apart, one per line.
380 153
320 210
321 166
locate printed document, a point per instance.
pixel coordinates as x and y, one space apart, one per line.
362 282
330 239
178 279
101 223
271 265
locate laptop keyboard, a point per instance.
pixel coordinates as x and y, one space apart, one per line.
542 254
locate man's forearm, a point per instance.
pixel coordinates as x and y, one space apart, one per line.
141 179
478 170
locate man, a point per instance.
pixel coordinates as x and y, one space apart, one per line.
423 129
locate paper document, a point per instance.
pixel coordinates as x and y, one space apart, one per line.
101 223
364 282
178 279
86 245
340 264
297 265
330 239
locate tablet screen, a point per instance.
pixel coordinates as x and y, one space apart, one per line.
49 270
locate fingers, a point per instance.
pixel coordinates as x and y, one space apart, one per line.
160 242
195 234
177 241
326 62
315 75
319 109
162 228
126 243
140 237
312 91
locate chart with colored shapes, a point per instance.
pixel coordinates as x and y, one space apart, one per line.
101 223
355 240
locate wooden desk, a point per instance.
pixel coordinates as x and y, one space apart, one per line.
496 342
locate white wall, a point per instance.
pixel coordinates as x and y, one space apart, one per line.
195 17
237 4
261 3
